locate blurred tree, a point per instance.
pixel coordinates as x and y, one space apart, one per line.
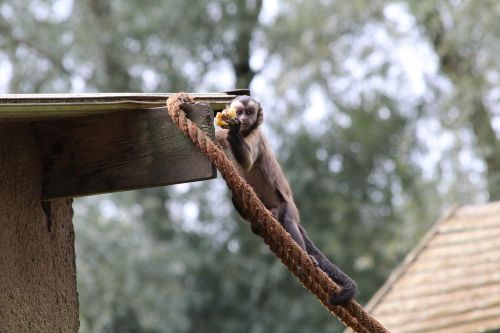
126 321
465 36
104 45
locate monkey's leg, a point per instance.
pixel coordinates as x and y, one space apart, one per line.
290 223
349 287
244 216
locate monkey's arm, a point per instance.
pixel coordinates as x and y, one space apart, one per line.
242 152
349 287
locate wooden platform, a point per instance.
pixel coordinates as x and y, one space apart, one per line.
32 107
99 143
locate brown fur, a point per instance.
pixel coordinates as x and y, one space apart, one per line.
263 173
247 147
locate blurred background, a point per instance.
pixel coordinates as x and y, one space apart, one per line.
383 114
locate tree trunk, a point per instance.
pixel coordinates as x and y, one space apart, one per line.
117 77
248 19
488 146
459 68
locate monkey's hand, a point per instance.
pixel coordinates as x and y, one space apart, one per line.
233 125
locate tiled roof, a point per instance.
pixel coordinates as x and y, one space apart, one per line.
451 281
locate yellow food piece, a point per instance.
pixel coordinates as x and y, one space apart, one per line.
231 113
219 121
221 117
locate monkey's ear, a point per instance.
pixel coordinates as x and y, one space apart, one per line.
260 117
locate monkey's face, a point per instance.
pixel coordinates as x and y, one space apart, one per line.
246 114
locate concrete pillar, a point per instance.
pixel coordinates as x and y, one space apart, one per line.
37 257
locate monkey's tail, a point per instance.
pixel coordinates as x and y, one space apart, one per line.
349 287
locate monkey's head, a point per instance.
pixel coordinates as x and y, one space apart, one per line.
248 111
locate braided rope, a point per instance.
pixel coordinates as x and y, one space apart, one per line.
274 235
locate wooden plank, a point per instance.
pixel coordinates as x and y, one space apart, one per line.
33 107
445 276
119 151
469 249
427 290
478 211
482 325
452 322
470 222
452 262
431 314
466 235
464 296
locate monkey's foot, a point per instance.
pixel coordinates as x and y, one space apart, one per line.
347 293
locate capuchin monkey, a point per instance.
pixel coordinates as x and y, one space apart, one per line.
247 147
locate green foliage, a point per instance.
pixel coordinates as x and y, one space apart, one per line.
116 46
465 37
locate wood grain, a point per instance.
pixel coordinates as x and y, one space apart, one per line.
125 150
451 281
38 107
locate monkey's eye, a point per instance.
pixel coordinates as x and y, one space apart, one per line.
239 112
249 112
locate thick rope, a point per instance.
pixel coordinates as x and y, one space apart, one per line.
274 235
